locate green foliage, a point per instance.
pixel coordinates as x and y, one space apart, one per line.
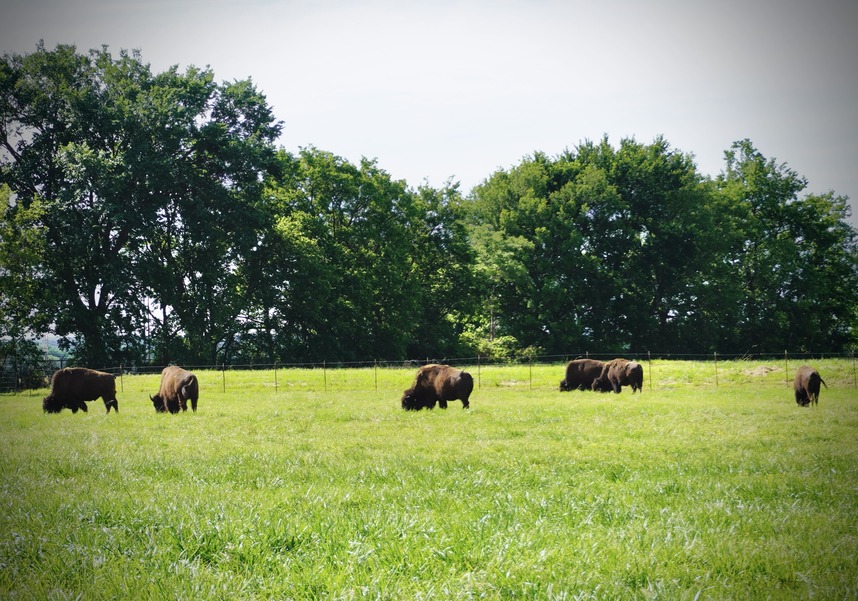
358 265
22 247
151 189
797 260
159 224
629 249
683 491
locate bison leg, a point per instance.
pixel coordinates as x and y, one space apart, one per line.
185 394
442 404
82 405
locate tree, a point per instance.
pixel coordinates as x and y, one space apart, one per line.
150 186
21 249
58 145
358 266
210 215
619 246
442 277
675 231
796 260
294 275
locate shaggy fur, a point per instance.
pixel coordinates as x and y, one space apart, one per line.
72 387
618 373
806 384
580 374
177 387
438 384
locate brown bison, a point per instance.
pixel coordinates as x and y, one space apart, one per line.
438 383
806 384
580 374
177 386
618 373
72 387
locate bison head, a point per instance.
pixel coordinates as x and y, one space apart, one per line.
51 405
158 402
564 386
412 402
601 384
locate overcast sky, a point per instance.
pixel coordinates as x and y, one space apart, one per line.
441 89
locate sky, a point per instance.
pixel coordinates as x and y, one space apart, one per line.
447 90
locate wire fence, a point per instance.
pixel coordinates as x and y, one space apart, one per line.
661 370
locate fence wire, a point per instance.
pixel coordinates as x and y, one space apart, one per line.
541 371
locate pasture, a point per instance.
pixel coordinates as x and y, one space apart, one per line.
315 485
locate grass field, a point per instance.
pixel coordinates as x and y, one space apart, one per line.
321 487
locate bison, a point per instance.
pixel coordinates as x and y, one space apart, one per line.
580 374
618 373
177 386
438 383
806 385
72 387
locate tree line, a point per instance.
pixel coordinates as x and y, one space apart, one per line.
151 218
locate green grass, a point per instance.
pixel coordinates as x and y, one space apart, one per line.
325 489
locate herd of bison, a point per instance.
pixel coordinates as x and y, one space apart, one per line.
72 387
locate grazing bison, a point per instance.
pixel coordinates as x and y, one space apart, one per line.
806 384
177 386
618 373
580 374
438 383
72 387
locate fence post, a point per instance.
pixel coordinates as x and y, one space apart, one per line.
786 368
375 374
325 375
716 368
530 369
121 380
223 374
275 377
854 375
649 364
479 372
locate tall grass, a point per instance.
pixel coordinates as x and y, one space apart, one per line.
324 488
